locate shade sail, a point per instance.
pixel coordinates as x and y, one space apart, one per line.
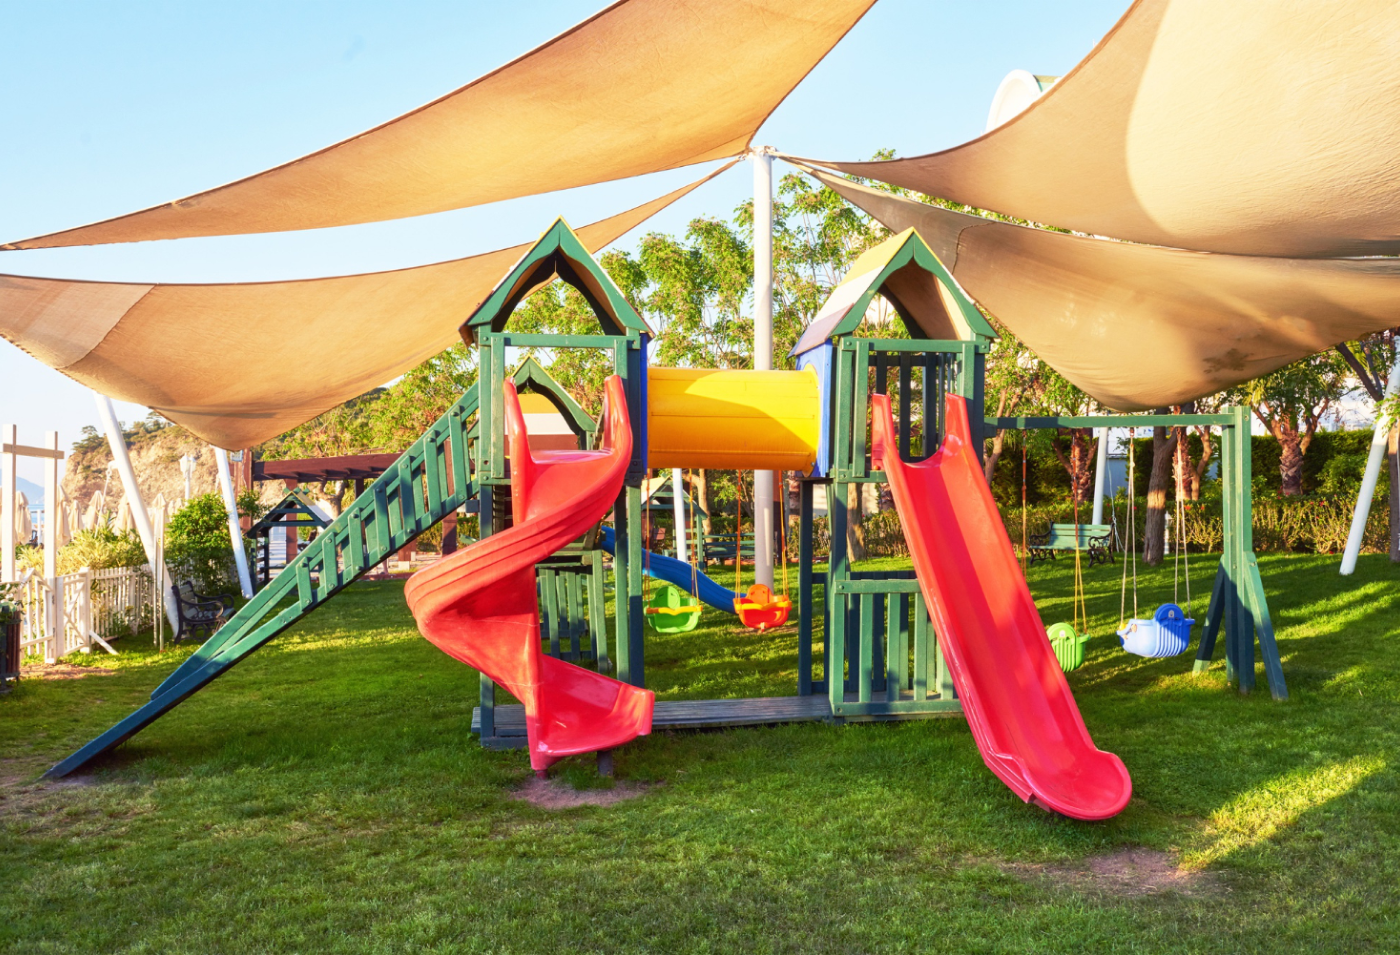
1140 326
643 86
240 363
1260 128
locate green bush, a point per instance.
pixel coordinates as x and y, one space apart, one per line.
198 546
100 548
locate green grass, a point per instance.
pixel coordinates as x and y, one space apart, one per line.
326 796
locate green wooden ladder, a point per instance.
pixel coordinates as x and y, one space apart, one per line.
430 480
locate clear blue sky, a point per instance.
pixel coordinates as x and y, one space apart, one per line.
114 107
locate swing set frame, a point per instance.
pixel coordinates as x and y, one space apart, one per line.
1238 604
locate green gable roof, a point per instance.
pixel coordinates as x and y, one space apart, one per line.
557 253
911 278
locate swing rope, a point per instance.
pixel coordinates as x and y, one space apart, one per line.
739 532
692 555
646 540
1078 572
1131 535
784 536
1025 548
1181 561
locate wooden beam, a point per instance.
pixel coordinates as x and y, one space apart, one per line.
28 451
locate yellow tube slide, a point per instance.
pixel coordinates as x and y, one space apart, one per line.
732 419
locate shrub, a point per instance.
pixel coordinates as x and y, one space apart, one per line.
197 544
100 548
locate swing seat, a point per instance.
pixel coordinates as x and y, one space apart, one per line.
760 610
1068 645
668 611
1165 635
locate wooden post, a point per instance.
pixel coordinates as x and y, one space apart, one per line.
636 631
449 534
243 481
838 569
485 513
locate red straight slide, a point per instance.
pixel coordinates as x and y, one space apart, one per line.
480 605
1017 702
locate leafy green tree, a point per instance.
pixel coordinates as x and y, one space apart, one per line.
408 407
198 546
1291 403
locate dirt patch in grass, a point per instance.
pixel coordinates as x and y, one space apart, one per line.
62 671
1125 873
558 794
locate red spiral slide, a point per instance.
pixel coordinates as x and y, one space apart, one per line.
1017 702
480 605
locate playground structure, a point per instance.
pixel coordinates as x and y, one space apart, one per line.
957 634
526 605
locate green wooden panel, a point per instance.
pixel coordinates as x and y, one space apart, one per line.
1264 628
887 586
861 413
835 656
305 595
550 608
904 708
922 660
867 648
897 645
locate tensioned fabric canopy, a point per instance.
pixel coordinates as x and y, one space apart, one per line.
240 363
1259 128
642 86
1139 326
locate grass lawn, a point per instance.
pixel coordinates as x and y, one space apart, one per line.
327 796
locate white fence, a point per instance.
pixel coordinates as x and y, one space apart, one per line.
79 609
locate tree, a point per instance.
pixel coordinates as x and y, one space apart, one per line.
1291 403
409 407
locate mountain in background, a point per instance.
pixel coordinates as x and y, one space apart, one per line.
34 493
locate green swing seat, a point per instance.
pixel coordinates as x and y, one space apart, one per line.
671 611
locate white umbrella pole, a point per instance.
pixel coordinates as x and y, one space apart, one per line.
762 349
107 413
678 508
235 533
1100 469
1368 481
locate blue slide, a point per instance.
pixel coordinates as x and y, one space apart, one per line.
678 573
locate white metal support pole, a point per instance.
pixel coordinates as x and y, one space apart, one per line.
1373 473
107 413
678 508
54 612
235 532
762 158
187 469
1100 472
9 439
51 506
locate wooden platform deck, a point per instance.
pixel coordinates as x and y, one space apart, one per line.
702 714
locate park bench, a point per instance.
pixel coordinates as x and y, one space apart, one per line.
198 612
1093 539
719 548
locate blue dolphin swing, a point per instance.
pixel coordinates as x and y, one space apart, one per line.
1167 632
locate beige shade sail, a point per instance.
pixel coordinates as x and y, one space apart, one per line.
240 363
1259 128
643 86
1139 326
